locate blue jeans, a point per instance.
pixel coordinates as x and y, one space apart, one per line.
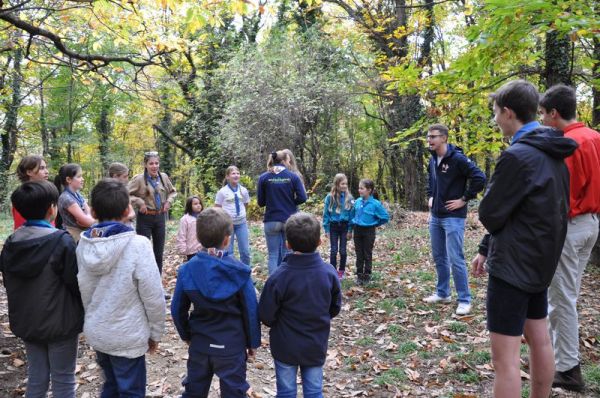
338 236
51 361
447 236
240 232
231 371
124 377
312 380
275 237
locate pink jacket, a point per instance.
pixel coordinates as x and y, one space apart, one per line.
187 243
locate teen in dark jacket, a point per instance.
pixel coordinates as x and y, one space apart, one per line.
525 210
39 271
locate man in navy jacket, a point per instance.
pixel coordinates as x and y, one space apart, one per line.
453 181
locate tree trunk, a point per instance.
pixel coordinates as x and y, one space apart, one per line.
103 128
43 124
558 62
8 136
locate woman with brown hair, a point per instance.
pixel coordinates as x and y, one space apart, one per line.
30 168
152 193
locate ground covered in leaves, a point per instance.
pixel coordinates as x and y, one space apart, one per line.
385 343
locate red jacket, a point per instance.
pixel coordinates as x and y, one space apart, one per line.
584 170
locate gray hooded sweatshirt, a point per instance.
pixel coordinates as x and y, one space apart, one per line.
122 294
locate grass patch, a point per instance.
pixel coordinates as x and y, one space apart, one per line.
591 375
425 276
469 377
390 377
365 341
360 304
458 327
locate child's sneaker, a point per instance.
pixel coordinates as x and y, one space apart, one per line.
340 274
434 298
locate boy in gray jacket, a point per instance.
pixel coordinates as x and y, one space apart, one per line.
121 291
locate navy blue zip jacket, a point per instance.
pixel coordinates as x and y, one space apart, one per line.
455 177
224 320
281 192
297 303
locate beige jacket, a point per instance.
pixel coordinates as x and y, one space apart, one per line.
141 191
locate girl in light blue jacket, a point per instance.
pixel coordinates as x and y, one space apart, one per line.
337 213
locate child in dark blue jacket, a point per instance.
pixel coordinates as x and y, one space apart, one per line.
298 302
223 326
368 214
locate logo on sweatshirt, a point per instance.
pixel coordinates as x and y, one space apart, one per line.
445 168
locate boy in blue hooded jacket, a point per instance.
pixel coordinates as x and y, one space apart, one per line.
223 326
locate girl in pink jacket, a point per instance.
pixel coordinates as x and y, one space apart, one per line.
187 242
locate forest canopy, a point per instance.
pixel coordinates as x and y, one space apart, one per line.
347 86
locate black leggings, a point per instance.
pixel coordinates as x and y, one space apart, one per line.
364 240
153 227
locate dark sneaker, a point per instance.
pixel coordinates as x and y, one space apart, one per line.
569 380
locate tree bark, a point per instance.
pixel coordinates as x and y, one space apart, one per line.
8 136
558 62
103 128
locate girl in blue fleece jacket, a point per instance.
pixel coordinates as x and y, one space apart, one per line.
369 213
337 213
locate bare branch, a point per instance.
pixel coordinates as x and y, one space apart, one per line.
172 140
94 61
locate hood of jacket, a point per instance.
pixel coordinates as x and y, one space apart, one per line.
219 278
27 258
99 255
550 141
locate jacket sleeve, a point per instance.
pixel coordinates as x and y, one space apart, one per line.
507 188
326 213
352 215
181 239
336 298
134 188
180 308
475 178
260 192
484 245
299 191
381 214
171 191
250 315
68 272
268 305
150 290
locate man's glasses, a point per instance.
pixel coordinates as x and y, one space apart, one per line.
432 136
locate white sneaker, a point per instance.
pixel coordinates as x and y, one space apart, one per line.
434 298
463 309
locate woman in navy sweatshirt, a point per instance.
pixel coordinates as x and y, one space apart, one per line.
281 191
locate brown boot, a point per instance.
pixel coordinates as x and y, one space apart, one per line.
569 380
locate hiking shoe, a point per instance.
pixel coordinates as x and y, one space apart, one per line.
463 309
434 298
569 380
340 275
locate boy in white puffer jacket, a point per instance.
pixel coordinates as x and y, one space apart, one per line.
121 291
